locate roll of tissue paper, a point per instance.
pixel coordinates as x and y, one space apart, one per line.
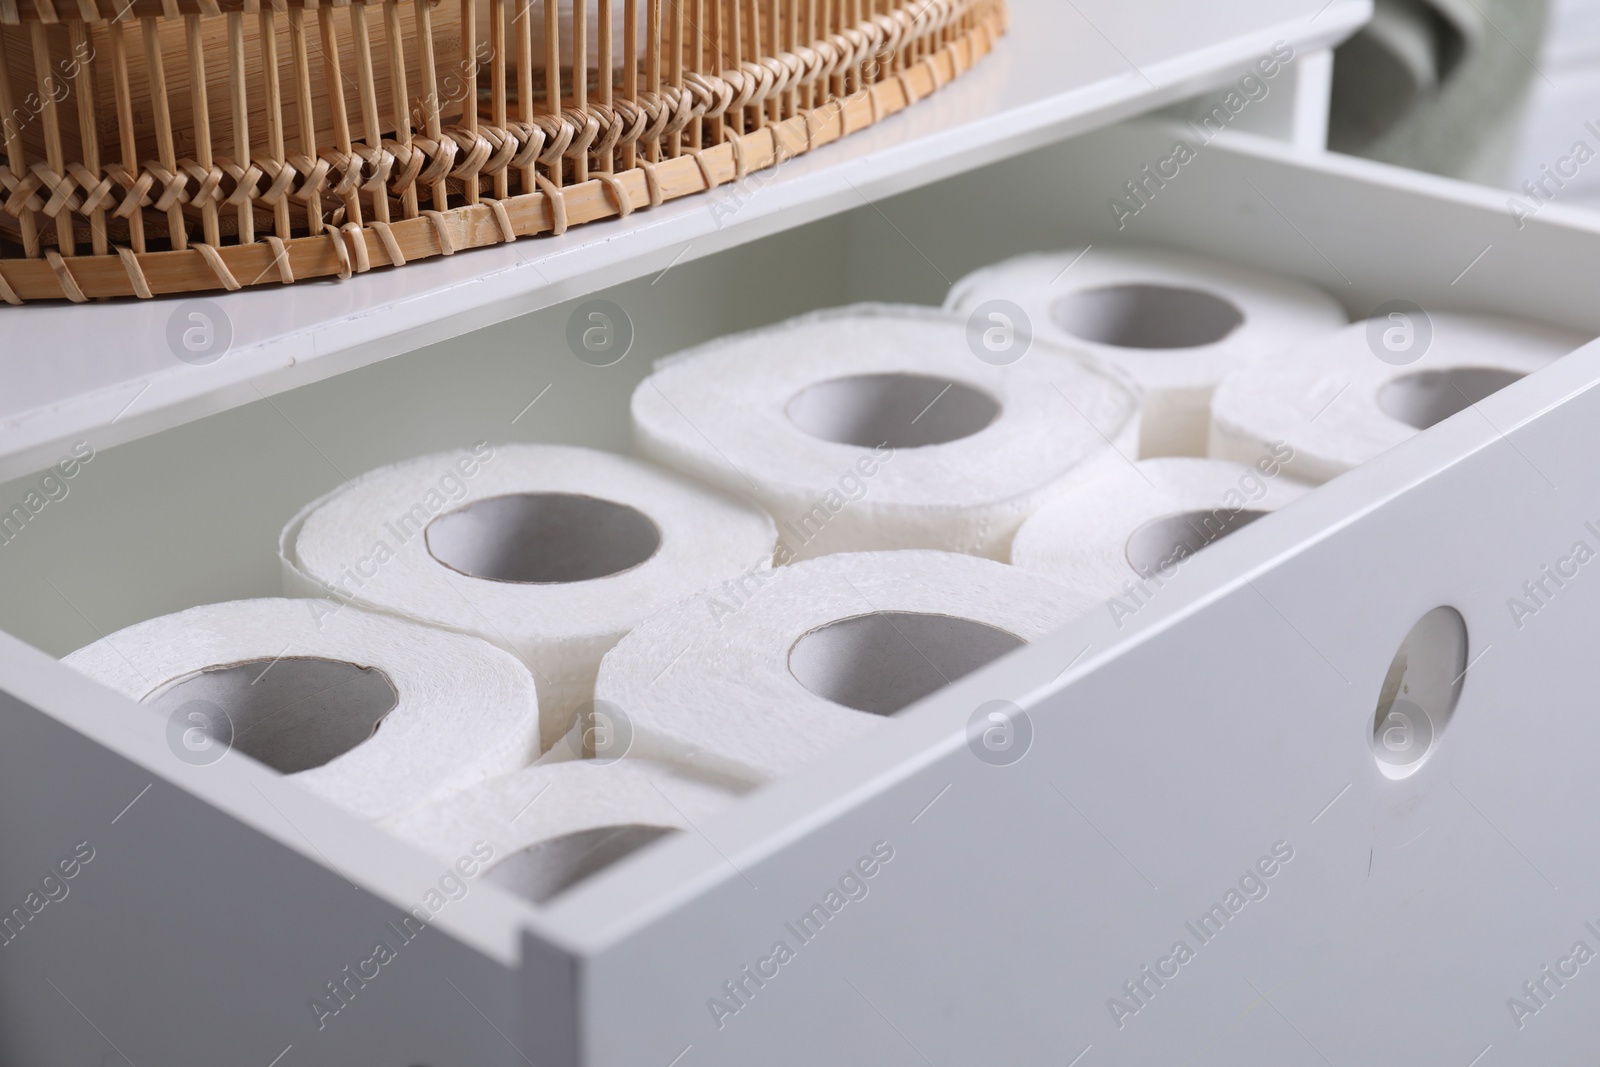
550 552
1177 323
751 682
1338 401
877 427
1128 532
374 713
543 829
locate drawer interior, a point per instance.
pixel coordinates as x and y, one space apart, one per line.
192 515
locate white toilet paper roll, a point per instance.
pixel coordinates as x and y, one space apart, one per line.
1339 401
876 427
550 552
1177 323
372 712
1128 532
543 829
753 686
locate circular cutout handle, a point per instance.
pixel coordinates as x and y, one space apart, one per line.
1419 693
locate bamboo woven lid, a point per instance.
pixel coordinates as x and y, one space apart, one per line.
170 146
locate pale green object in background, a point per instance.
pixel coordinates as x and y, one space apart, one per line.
1438 85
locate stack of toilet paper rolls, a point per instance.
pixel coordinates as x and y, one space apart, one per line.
737 686
475 620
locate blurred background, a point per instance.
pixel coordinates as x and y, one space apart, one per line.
1500 92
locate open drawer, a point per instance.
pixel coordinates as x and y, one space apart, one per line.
1225 727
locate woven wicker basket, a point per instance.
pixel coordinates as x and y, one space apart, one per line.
168 146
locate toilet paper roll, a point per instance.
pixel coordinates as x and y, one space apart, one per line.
1338 401
371 712
754 686
550 552
877 427
543 829
1129 531
1176 323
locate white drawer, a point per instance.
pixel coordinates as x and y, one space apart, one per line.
1169 754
